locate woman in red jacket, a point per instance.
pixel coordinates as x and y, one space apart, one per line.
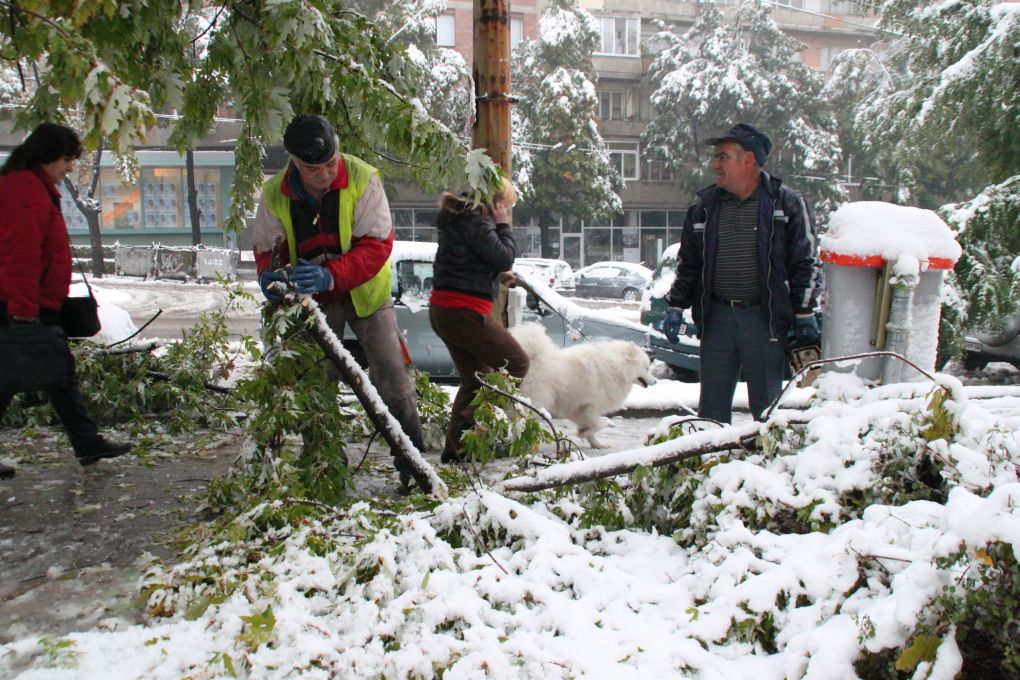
35 268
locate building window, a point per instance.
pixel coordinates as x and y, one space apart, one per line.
796 4
657 171
826 55
611 105
445 34
620 36
516 31
624 156
414 224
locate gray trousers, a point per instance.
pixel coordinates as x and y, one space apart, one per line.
735 342
380 339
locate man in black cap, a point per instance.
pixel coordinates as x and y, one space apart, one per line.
331 211
748 270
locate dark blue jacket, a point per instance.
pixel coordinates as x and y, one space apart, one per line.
787 249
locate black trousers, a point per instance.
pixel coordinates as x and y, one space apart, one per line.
70 408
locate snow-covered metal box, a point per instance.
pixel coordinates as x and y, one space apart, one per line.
213 262
134 260
175 263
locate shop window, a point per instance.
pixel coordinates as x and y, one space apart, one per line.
120 203
597 245
207 188
73 217
162 198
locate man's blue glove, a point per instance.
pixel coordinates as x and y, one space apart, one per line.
310 278
671 324
805 331
267 277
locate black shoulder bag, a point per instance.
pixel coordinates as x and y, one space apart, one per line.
33 356
80 315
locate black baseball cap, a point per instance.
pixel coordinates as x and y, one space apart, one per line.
749 137
310 138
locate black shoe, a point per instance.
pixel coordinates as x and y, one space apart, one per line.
6 471
107 449
450 458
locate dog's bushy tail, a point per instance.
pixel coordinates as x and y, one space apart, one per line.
533 339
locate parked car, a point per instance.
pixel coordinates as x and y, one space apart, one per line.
565 322
556 274
623 280
982 347
684 357
653 298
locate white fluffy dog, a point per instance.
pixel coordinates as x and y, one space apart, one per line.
582 382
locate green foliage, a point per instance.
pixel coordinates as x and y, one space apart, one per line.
943 119
118 64
433 409
987 270
503 426
295 421
258 629
156 393
923 648
59 652
981 608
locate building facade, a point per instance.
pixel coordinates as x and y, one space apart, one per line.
153 208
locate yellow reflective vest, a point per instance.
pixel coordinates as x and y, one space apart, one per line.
370 295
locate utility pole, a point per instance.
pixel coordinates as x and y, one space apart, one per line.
491 72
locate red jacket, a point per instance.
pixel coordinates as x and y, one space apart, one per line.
35 252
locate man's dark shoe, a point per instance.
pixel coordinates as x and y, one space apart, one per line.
107 449
6 471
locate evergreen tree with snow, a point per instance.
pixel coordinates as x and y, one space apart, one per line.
735 65
958 101
568 165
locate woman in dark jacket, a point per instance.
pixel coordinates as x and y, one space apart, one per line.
35 268
476 252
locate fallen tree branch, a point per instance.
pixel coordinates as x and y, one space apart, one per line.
740 437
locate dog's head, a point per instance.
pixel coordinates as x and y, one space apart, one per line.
641 364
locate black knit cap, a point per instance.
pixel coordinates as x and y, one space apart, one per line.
310 138
749 137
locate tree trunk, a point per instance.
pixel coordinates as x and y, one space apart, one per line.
544 223
91 210
196 226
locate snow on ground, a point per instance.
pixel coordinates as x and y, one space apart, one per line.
506 586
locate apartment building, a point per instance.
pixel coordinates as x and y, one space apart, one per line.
653 207
154 207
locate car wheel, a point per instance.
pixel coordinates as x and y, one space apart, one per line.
685 374
631 295
974 362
